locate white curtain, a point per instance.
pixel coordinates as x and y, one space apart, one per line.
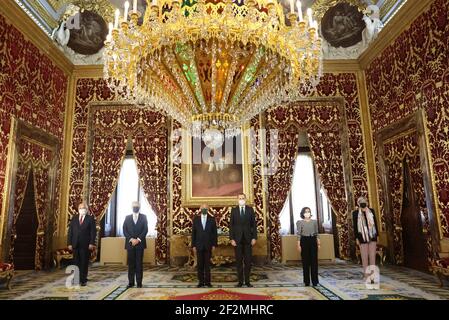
302 192
128 190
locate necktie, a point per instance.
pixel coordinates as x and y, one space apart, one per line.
242 212
203 218
81 219
135 217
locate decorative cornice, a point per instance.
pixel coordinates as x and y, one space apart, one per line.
398 24
340 66
19 19
88 71
36 5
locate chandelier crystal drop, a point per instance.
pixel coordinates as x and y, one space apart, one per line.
213 63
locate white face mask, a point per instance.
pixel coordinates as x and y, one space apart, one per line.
82 211
242 202
307 215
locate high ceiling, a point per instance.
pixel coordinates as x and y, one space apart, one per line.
48 13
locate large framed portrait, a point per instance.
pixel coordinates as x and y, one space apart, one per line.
216 168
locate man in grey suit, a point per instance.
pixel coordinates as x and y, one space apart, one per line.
135 229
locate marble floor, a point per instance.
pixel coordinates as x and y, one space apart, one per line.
338 281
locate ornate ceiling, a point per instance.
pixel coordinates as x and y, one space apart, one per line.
48 14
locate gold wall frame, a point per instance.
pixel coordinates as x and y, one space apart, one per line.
413 122
188 200
22 130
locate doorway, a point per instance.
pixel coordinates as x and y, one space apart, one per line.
414 247
26 230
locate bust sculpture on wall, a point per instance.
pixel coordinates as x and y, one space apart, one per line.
81 35
347 31
342 25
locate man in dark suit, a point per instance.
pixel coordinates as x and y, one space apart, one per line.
204 241
81 240
135 229
243 235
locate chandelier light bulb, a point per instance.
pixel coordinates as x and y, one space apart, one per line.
125 14
309 16
110 27
117 15
298 7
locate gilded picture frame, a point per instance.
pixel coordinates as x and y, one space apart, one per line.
189 199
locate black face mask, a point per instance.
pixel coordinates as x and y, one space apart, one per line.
204 211
136 209
363 205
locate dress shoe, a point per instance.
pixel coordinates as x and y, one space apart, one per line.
307 284
239 285
315 284
139 285
131 285
249 285
200 285
83 284
208 285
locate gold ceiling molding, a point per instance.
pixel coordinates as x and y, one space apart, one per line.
398 24
88 71
19 19
341 66
103 7
321 6
329 66
386 7
43 13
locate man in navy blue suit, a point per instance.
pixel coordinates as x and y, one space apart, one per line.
204 241
135 229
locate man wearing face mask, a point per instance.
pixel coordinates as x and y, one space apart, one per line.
204 241
365 232
135 229
243 235
81 239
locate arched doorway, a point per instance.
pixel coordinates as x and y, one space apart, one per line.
415 255
26 230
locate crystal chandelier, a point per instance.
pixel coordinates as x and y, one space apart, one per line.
213 63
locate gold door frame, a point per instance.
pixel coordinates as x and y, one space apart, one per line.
415 122
187 200
22 130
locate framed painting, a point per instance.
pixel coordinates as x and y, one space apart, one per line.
216 169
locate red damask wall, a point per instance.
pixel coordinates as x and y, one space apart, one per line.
413 73
32 88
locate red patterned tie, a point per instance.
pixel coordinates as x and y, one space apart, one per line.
81 220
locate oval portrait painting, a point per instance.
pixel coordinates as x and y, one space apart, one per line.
89 38
342 25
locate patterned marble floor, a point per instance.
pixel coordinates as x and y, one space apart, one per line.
339 281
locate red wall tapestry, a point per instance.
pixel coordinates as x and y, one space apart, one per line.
412 73
400 149
33 89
